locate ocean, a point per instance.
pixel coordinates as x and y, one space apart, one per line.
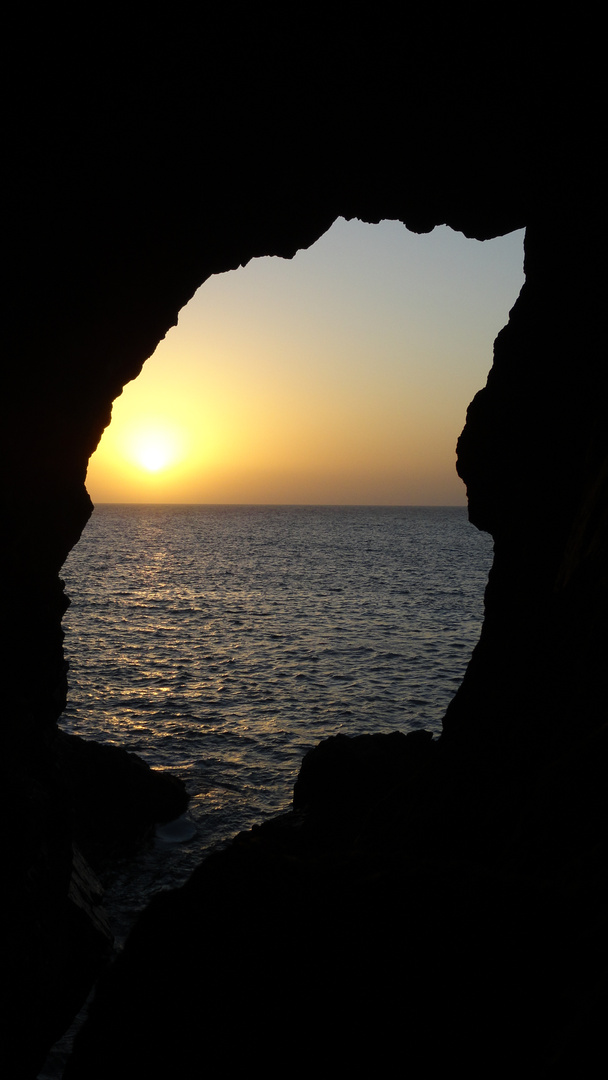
223 642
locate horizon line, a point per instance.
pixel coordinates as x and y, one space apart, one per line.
410 506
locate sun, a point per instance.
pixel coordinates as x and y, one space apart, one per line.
155 446
153 452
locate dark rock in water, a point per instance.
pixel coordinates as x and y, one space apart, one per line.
114 797
351 785
366 770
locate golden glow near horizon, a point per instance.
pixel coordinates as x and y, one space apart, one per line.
155 445
340 376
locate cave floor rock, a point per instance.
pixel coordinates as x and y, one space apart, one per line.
70 809
364 927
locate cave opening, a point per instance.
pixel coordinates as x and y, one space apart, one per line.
125 193
217 627
341 376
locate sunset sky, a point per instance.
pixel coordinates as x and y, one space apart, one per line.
340 376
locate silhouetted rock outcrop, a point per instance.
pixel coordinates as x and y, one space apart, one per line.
114 798
362 938
132 179
67 814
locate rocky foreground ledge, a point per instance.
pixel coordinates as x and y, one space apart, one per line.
395 919
69 810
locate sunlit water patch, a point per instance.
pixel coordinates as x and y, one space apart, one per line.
222 643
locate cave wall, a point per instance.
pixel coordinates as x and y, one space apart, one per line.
142 160
131 184
534 455
135 178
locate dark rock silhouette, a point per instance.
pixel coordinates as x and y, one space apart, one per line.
113 797
480 891
69 806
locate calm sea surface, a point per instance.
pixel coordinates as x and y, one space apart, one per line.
223 642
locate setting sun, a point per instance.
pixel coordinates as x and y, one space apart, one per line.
340 376
155 446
